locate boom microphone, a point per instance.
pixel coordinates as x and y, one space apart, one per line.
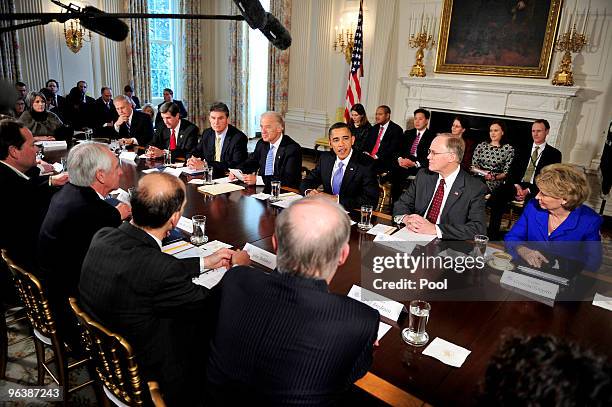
253 13
276 33
109 27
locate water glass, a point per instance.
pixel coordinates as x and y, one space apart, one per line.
480 245
275 191
208 175
88 133
167 157
366 217
40 154
418 316
198 237
64 163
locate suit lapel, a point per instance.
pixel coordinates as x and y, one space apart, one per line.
568 224
228 139
327 166
349 174
455 193
279 155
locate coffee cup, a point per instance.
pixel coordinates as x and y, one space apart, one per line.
501 260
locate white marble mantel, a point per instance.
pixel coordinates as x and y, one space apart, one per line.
520 101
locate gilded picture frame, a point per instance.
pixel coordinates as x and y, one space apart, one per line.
498 37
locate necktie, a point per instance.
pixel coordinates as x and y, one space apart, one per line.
337 180
415 144
532 165
218 148
269 170
173 140
127 125
377 145
436 204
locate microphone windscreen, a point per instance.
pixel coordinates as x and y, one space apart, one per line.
109 27
276 33
253 12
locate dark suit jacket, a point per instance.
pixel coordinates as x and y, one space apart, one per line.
550 155
132 287
463 214
23 207
136 101
405 145
186 139
359 184
100 114
233 151
141 128
390 143
75 215
283 339
182 112
288 164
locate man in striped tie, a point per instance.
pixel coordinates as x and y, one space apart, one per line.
444 200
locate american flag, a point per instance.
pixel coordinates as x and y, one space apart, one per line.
353 90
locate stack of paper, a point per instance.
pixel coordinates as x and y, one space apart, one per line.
218 189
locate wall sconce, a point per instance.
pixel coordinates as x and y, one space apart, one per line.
75 35
344 41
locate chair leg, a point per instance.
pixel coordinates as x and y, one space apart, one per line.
3 345
61 362
40 360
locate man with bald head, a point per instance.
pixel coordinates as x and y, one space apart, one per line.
133 288
282 338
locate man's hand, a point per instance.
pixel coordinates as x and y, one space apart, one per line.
418 224
489 177
154 152
126 141
125 210
196 163
533 257
314 192
241 258
220 258
405 162
250 179
121 120
44 138
59 179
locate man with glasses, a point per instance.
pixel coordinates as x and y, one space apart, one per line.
444 200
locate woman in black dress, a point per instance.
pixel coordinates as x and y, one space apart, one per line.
359 126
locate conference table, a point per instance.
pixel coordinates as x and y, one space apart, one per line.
400 374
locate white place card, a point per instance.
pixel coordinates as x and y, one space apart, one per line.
259 181
185 224
385 307
380 229
50 145
128 156
176 247
530 284
210 278
382 330
446 352
261 196
410 236
173 171
150 170
352 222
602 301
58 167
261 256
196 181
216 245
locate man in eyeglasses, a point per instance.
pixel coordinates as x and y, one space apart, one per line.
444 200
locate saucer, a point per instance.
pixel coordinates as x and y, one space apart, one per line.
509 267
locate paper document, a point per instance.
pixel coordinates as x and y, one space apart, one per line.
447 352
122 195
259 181
58 167
382 330
185 224
192 252
127 156
379 229
192 171
287 200
216 245
602 301
176 247
261 256
150 170
261 196
219 189
223 180
173 171
196 181
385 307
237 173
210 278
409 236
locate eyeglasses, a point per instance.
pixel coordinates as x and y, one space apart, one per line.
434 153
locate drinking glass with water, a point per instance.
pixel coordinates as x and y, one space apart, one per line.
198 237
275 191
365 222
419 315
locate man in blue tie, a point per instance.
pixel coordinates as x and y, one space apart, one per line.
277 157
346 177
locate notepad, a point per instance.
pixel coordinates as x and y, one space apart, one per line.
218 189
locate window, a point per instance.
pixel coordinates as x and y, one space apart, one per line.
165 59
258 75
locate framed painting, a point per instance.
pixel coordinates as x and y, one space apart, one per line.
497 37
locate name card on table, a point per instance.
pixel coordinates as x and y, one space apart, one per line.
530 284
380 229
602 301
385 307
382 330
261 256
447 352
129 156
286 199
210 278
54 145
185 224
219 189
173 171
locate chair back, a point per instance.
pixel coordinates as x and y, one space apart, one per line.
34 299
113 359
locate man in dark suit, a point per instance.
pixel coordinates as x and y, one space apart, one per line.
103 114
444 201
75 214
222 146
57 101
412 154
177 135
129 92
169 98
383 140
132 126
82 86
527 164
26 197
282 338
133 288
345 175
276 155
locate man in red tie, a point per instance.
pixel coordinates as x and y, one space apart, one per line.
383 140
412 153
179 136
444 200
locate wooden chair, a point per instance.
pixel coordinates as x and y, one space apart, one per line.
114 362
42 322
12 317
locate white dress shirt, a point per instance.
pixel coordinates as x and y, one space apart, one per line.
344 168
21 174
276 146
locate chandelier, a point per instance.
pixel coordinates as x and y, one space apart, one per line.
75 35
